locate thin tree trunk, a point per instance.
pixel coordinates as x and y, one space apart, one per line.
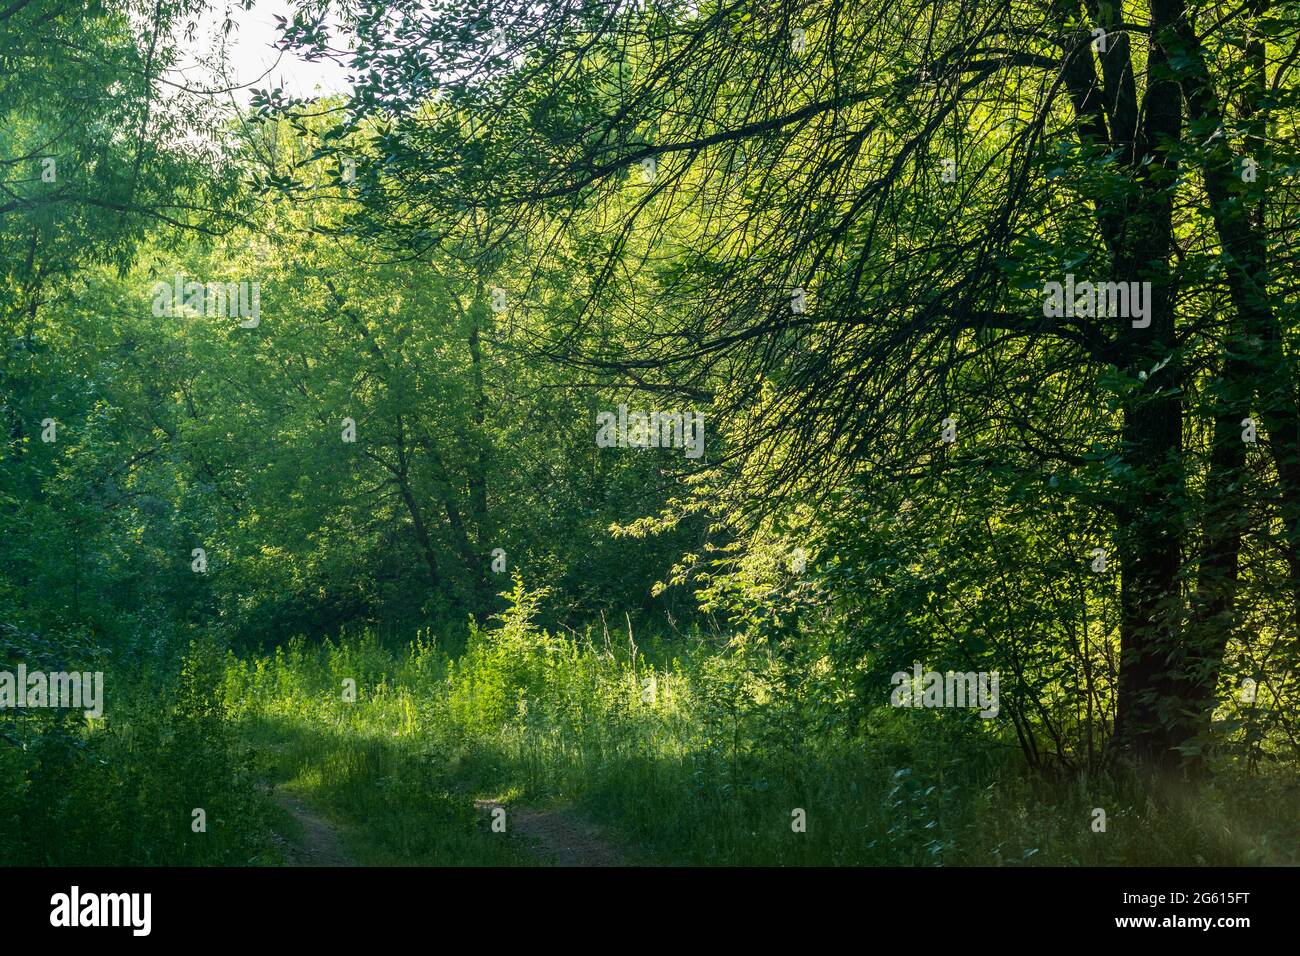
1257 363
479 464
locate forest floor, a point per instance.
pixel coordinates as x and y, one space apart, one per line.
418 771
558 836
318 843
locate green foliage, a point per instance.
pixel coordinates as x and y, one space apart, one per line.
703 765
707 644
125 793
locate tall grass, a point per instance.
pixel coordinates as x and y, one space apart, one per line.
693 752
687 750
123 790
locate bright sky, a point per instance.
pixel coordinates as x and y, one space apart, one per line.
251 54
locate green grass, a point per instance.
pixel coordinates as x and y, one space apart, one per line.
124 790
683 751
707 770
392 802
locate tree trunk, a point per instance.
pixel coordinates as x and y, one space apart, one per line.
1256 363
1149 512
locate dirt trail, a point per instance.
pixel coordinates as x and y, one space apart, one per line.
558 836
319 844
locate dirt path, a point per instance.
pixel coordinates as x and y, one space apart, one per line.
319 844
558 836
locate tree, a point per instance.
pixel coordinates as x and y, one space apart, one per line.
882 195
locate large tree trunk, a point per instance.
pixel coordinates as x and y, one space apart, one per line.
1150 510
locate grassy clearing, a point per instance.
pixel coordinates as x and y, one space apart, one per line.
682 753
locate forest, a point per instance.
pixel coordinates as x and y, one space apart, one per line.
650 432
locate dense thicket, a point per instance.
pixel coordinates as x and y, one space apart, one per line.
830 228
848 216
